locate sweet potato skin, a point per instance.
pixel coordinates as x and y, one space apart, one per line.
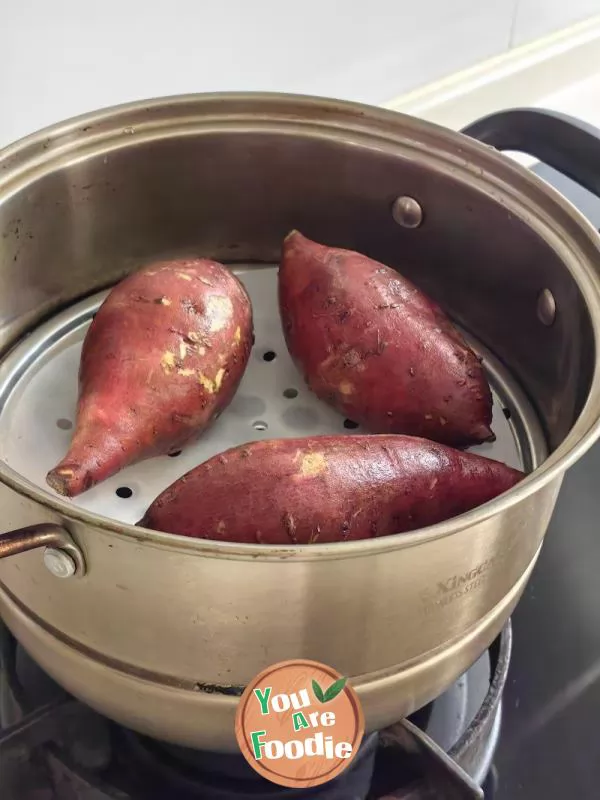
162 358
374 347
326 489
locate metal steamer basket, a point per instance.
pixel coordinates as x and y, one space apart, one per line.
161 632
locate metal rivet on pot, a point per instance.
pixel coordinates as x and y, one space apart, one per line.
59 562
546 307
407 212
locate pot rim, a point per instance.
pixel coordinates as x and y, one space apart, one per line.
520 191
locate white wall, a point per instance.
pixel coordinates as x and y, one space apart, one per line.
535 18
63 57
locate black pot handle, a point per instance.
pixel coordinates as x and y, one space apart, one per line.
564 143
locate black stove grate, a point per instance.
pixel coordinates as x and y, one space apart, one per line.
52 747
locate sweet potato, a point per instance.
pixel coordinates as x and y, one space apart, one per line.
326 489
162 358
373 346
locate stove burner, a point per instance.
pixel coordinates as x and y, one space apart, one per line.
53 747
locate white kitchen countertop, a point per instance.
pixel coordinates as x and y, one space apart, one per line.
66 58
580 100
62 73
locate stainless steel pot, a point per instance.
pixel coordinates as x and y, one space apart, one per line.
159 632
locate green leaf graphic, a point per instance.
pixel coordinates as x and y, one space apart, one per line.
318 692
334 689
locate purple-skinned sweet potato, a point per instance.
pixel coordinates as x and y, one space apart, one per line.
326 489
162 358
374 347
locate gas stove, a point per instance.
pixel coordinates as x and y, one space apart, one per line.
549 748
53 747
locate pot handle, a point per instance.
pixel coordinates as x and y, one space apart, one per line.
61 555
564 143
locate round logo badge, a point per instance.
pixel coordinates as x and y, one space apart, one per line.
299 723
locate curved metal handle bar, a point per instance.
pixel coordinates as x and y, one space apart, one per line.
45 535
564 143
